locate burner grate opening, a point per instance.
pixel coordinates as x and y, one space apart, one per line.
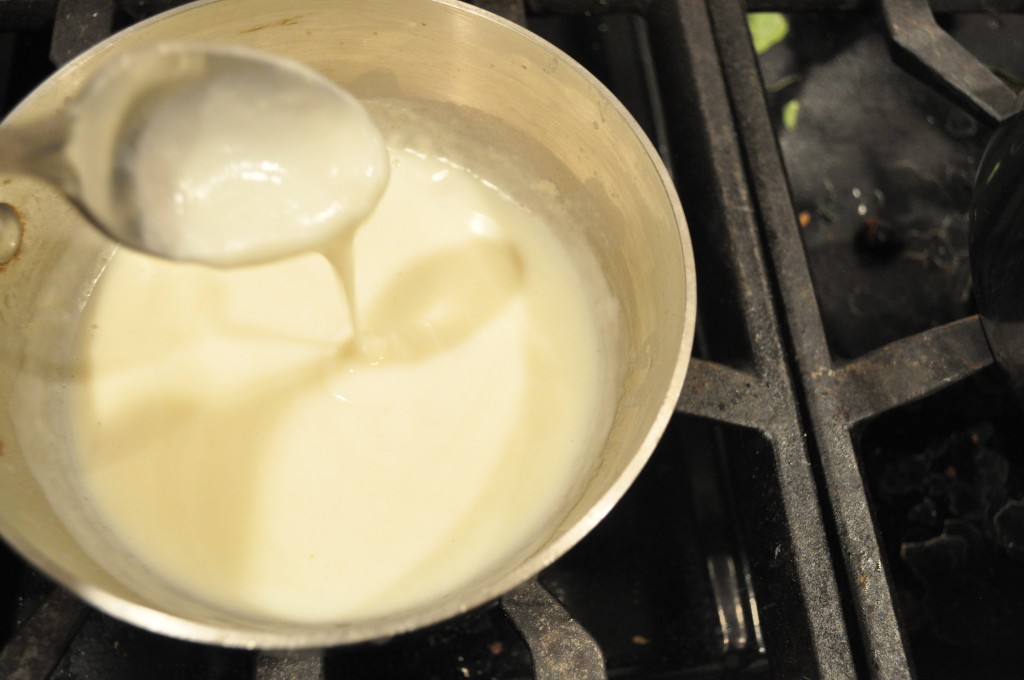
682 509
946 479
24 60
881 199
481 644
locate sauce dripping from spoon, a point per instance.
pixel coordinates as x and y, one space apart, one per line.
217 155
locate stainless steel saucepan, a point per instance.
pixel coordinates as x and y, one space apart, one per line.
516 102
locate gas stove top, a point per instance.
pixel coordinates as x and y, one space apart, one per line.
840 492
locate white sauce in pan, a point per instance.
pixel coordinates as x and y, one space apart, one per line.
239 442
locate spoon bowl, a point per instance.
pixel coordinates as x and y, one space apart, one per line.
219 155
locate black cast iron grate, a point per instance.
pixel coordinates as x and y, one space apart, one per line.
839 393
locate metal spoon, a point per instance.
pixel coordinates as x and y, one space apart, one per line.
92 150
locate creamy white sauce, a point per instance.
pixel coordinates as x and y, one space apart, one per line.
236 440
224 156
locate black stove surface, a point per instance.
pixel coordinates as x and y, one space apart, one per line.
881 167
842 409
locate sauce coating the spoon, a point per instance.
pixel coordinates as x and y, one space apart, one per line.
223 156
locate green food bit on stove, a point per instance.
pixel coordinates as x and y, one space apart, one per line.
767 29
790 112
